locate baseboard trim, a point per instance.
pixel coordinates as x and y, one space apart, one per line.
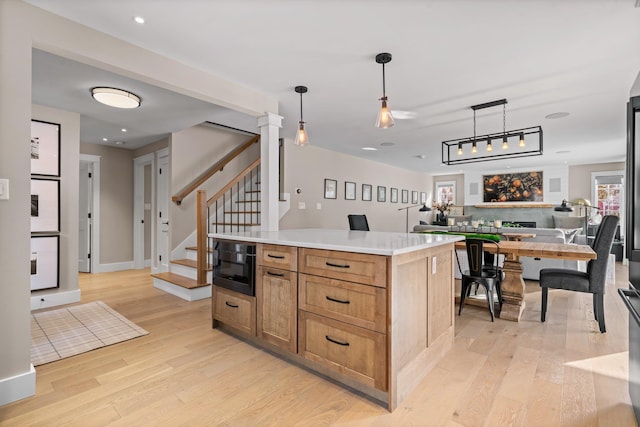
115 266
43 300
18 387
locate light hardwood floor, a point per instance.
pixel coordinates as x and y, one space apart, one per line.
561 373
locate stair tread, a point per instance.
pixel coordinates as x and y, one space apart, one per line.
241 212
246 224
189 263
179 280
195 248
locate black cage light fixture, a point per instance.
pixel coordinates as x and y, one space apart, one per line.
302 138
385 119
465 150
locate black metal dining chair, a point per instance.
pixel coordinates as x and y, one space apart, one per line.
592 281
358 222
479 274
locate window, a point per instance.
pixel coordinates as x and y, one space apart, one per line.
608 194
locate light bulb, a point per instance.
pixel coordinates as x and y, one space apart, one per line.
489 147
474 149
459 149
521 144
302 138
505 144
385 119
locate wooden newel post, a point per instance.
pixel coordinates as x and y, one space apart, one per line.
201 235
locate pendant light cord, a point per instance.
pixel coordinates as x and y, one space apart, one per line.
384 92
504 119
301 107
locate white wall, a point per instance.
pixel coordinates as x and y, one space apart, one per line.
307 167
548 173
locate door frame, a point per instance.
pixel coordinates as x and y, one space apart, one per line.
94 242
139 164
156 265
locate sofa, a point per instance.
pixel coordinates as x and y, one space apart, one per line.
530 266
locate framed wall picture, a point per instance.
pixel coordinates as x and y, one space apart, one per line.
45 262
382 193
445 192
366 192
513 187
45 205
349 190
45 148
405 196
393 195
423 197
330 189
414 197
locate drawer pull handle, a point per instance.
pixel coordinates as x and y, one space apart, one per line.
346 344
330 264
275 274
231 305
337 300
276 256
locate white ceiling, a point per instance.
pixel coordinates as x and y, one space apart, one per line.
573 56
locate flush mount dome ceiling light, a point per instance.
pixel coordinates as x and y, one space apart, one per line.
117 98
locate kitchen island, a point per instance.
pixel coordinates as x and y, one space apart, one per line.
371 310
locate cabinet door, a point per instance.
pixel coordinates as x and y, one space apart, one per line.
235 310
277 298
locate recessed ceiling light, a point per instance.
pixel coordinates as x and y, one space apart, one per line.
139 19
420 156
105 139
120 142
117 98
563 152
403 115
123 129
559 115
369 148
388 144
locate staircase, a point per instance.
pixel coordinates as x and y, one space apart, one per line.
236 207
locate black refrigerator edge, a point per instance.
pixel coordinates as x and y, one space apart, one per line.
631 297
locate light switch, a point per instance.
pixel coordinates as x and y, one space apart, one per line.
301 205
318 206
4 189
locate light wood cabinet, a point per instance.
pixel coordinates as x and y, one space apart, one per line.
235 309
277 295
353 351
360 305
353 267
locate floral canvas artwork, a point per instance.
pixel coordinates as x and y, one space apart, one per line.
513 187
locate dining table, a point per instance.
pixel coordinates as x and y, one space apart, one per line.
513 285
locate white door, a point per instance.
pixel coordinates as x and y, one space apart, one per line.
84 218
162 247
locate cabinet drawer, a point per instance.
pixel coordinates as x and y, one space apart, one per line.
353 267
278 256
360 305
235 310
355 352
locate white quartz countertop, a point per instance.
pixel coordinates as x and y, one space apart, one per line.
368 242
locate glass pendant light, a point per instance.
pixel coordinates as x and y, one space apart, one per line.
385 119
302 138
